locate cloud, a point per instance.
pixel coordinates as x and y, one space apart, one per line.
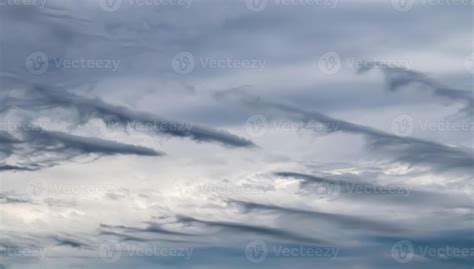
6 167
62 142
69 241
397 78
7 198
41 148
42 97
341 220
352 188
152 228
232 228
407 150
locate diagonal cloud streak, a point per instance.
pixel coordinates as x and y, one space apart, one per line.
343 221
397 78
412 151
40 98
38 145
231 227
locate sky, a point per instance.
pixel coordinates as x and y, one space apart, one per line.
236 134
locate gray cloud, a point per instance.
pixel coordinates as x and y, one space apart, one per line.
41 97
397 78
273 233
403 194
69 241
341 220
36 143
408 150
8 198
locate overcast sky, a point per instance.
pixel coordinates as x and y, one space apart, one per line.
236 134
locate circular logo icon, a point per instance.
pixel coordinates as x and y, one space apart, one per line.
183 63
110 252
469 190
183 189
403 251
469 63
402 5
111 126
37 63
326 191
403 125
110 5
36 188
256 126
330 63
256 5
256 251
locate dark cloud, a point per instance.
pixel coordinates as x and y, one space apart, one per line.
233 227
7 167
407 150
62 142
397 78
42 97
152 228
63 147
352 188
69 241
341 220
